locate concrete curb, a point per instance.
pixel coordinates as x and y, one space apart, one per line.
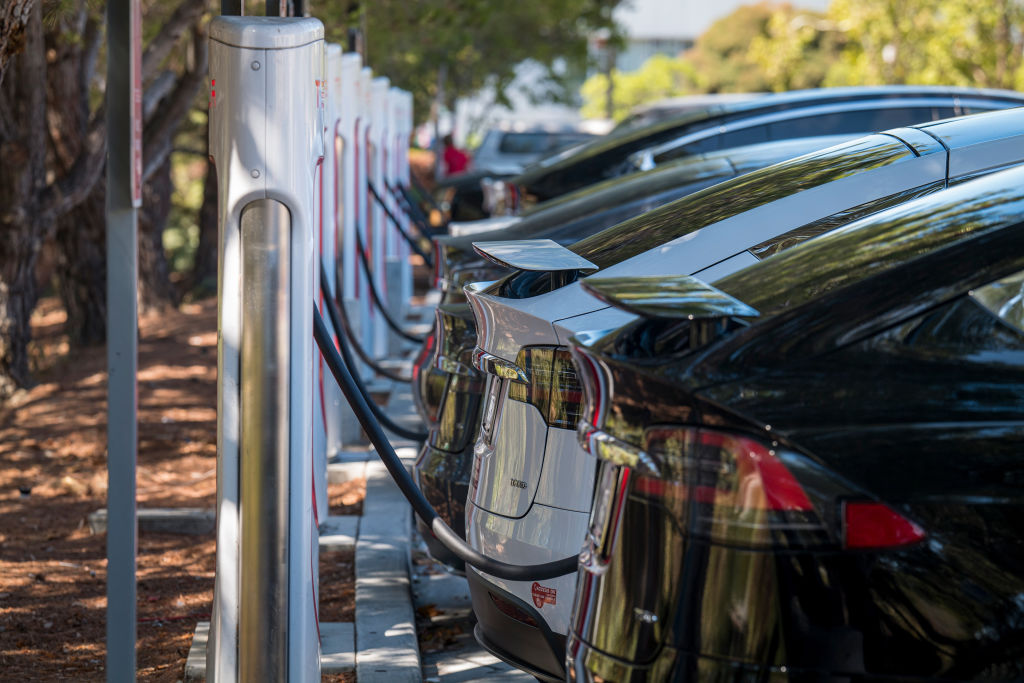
386 647
194 521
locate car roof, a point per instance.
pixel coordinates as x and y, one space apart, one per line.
872 273
775 101
723 164
659 230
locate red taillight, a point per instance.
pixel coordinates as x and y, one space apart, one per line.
426 352
728 488
553 386
438 263
868 524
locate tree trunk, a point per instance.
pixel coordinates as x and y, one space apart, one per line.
22 177
155 289
14 16
203 278
82 270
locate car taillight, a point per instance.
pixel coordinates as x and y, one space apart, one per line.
728 489
438 263
552 387
422 358
592 380
732 489
869 524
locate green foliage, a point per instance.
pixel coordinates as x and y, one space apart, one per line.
474 42
795 50
721 56
956 42
660 77
767 46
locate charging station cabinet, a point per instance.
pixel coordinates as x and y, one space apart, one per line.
266 141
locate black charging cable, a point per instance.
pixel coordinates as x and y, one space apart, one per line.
423 192
375 295
448 538
413 211
338 314
380 415
413 244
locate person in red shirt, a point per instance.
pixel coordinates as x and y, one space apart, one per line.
455 160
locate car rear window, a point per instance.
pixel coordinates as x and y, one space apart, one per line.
736 196
536 143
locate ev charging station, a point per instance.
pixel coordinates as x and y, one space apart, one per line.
364 202
380 228
396 249
266 140
327 397
346 136
402 129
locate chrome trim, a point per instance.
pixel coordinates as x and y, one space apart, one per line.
678 296
607 447
499 367
539 254
265 363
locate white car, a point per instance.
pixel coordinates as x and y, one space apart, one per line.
531 487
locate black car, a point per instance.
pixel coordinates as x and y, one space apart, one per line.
448 389
813 468
771 117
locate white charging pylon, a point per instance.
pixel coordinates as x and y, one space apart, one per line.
405 127
347 137
380 228
396 248
327 397
364 203
266 140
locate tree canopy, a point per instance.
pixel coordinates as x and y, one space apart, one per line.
472 43
773 46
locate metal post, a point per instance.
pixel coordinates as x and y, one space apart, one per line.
124 195
266 140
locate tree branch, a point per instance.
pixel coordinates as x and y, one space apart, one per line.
186 14
160 132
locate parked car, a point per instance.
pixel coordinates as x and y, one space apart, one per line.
854 110
646 114
812 469
501 155
506 152
531 484
448 389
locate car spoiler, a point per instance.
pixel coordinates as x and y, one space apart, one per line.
677 296
541 254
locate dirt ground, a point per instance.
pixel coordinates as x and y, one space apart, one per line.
53 474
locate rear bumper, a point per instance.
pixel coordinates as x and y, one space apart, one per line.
532 648
588 665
